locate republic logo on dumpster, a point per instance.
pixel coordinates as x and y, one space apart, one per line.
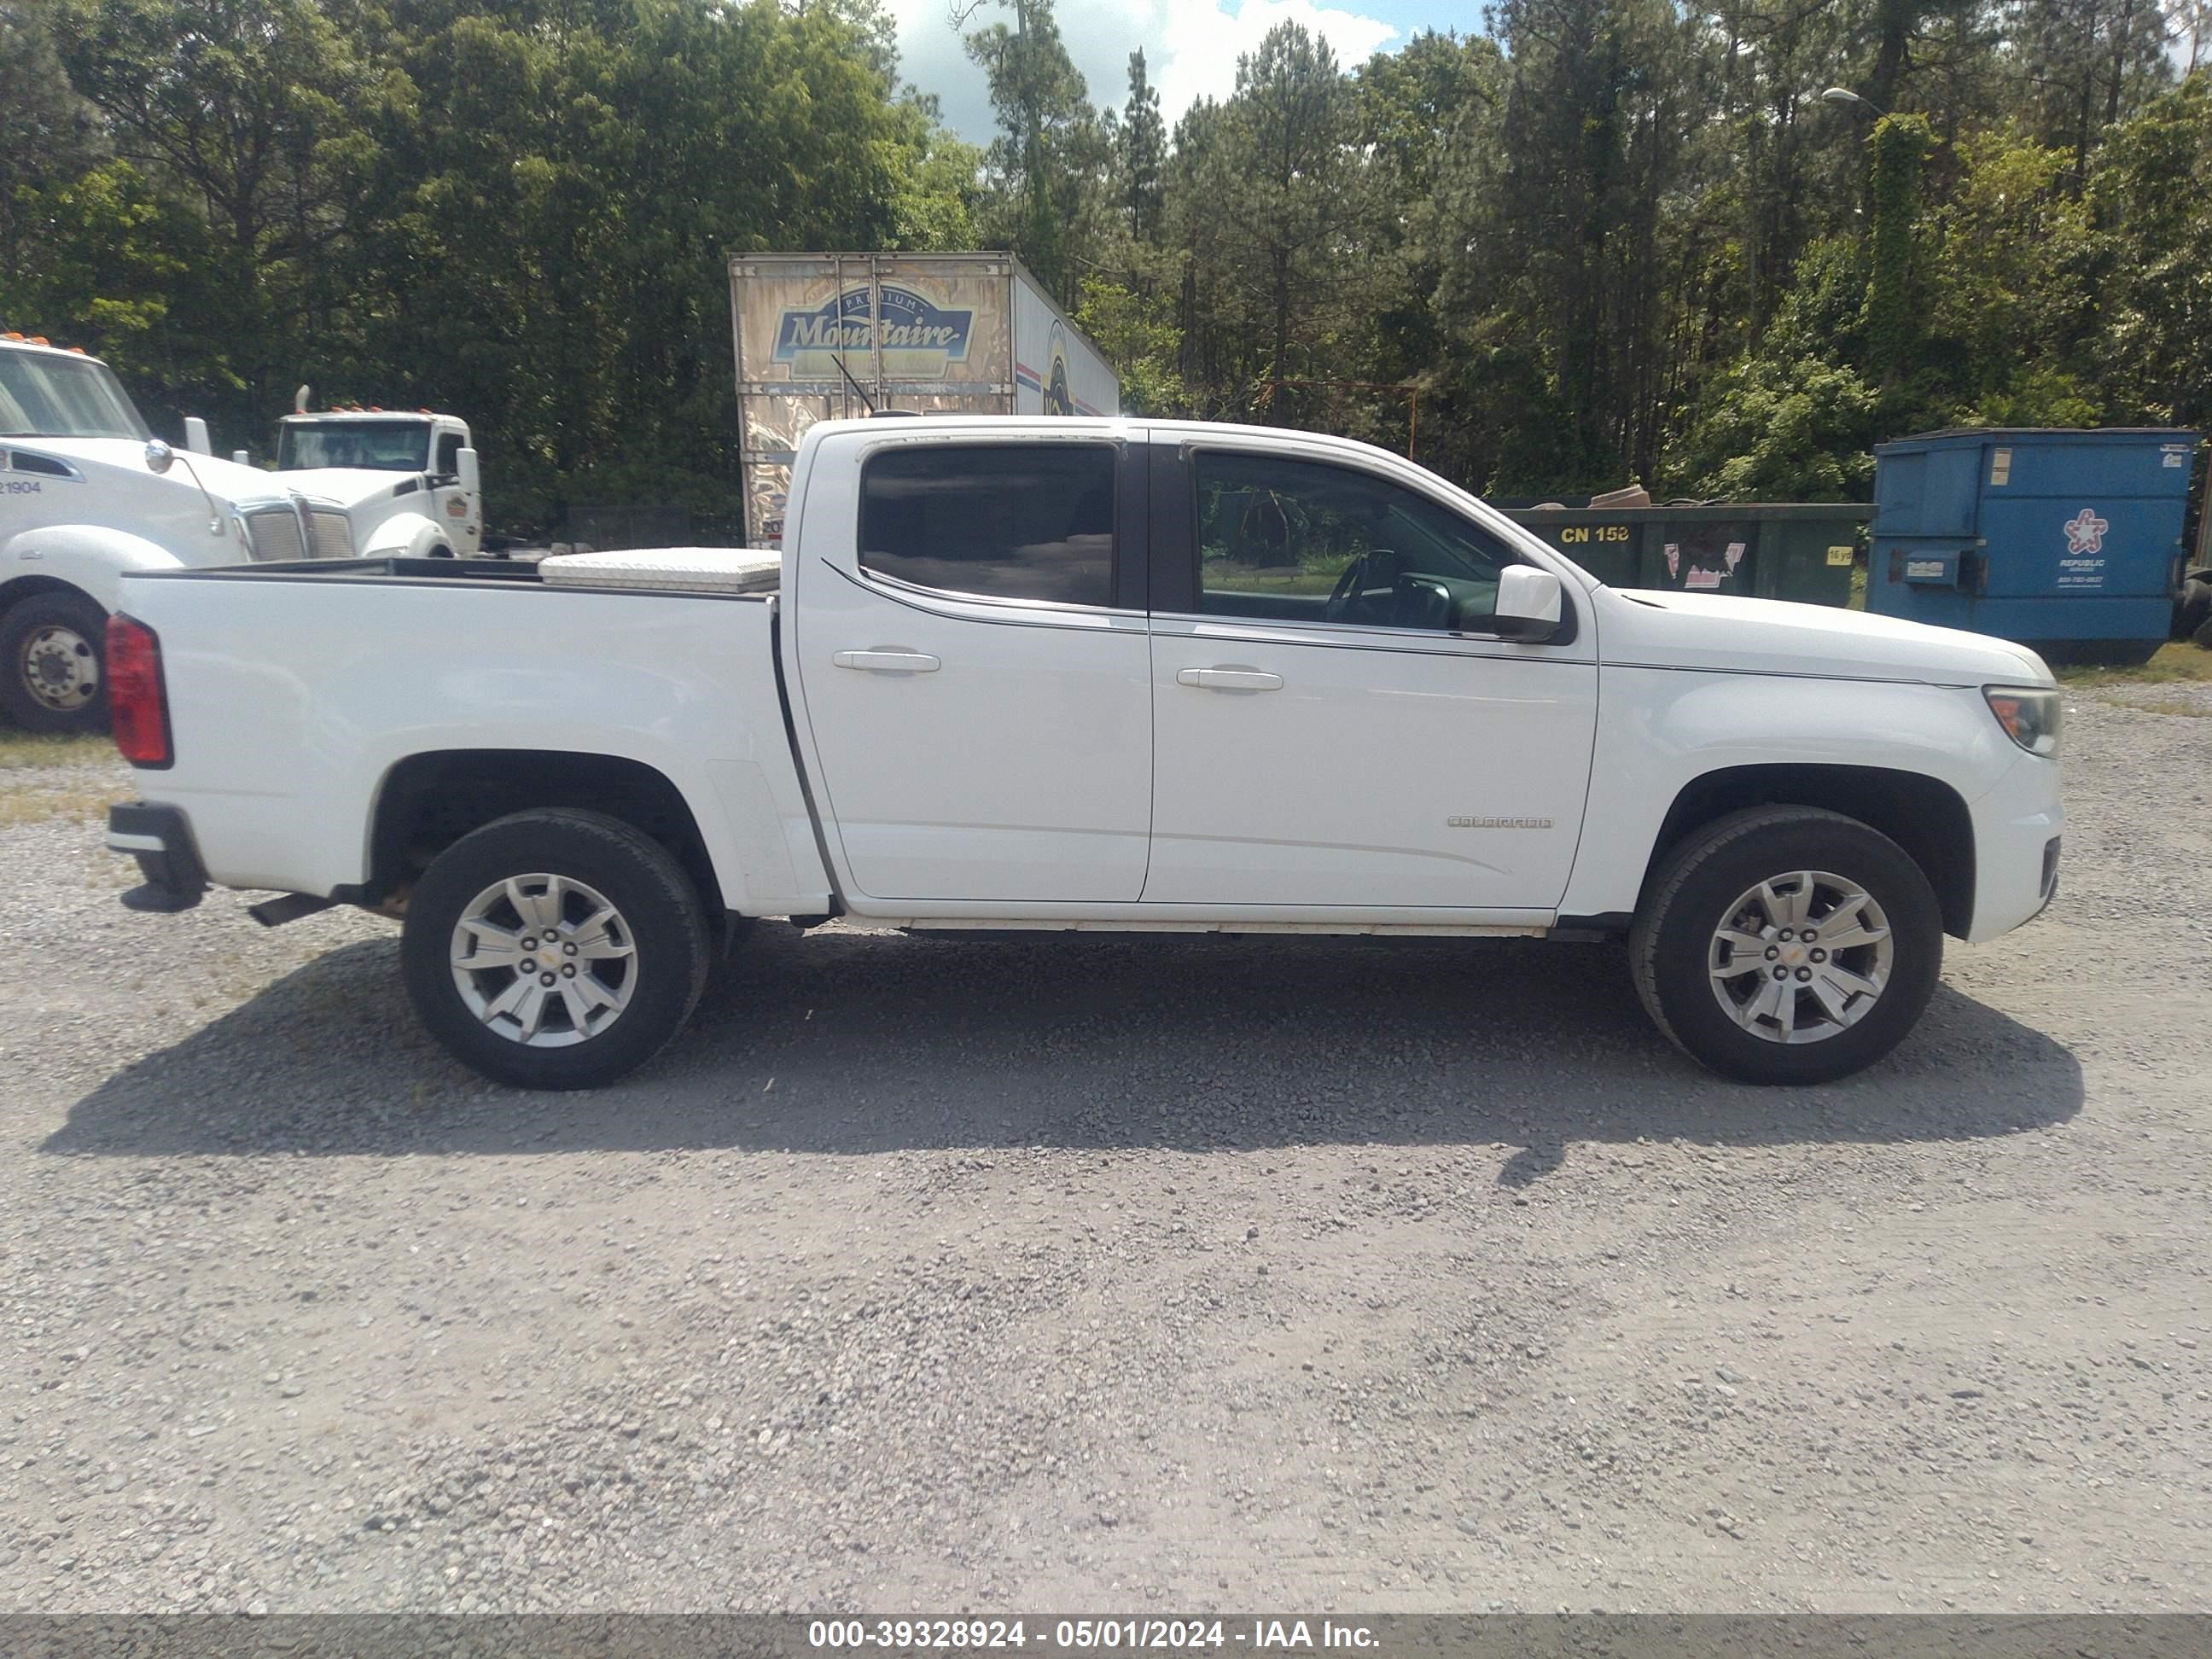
2085 532
2084 563
920 338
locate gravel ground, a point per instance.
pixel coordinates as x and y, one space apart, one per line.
1090 1273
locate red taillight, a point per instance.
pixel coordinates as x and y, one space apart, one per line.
137 702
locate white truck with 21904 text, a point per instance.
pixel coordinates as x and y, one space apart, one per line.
1016 673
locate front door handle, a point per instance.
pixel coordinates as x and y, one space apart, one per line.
1229 679
888 662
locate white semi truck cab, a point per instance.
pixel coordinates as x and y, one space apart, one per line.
322 456
88 494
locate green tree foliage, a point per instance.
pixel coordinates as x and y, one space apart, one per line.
1050 146
543 253
1786 430
2153 192
1604 240
2083 63
1288 223
47 137
1142 152
1901 143
249 115
515 208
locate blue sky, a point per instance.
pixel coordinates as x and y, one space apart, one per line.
1191 46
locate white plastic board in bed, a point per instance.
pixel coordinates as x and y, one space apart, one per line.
686 569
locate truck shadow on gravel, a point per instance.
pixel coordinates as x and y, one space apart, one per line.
857 1043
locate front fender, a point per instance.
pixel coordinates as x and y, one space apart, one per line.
88 557
1664 729
404 536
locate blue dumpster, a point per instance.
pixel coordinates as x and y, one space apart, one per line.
2067 541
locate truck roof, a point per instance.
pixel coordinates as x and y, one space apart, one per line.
363 415
893 422
13 342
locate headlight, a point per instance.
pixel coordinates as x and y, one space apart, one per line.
2029 715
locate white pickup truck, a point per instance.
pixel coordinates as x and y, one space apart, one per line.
87 493
1086 674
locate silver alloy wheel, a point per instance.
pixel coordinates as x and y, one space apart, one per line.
1801 956
60 668
545 960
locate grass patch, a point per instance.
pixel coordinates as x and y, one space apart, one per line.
2166 705
88 805
2178 663
35 784
1226 576
20 750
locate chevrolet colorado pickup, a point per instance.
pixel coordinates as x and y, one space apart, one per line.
1085 674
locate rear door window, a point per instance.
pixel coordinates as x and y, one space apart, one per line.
1025 522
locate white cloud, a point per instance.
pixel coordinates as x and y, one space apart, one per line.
1201 45
1191 48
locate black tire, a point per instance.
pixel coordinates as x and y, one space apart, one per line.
48 643
2203 636
1672 945
658 908
2194 609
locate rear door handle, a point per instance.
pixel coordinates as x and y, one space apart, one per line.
888 662
1229 679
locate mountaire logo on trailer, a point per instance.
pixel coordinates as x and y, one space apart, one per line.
920 337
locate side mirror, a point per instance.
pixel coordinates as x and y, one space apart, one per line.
1530 603
196 436
240 458
159 456
471 475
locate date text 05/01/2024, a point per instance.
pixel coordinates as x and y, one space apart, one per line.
1089 1635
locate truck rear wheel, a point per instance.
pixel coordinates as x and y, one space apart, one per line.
53 676
1788 944
554 948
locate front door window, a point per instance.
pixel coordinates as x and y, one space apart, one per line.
1304 541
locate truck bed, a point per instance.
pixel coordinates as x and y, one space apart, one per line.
296 689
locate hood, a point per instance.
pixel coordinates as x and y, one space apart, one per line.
225 480
345 486
1667 630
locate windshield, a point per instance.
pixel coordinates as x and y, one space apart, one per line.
377 446
43 395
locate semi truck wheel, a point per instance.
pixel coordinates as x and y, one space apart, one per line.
554 948
51 675
1787 945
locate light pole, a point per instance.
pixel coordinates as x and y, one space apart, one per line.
1846 95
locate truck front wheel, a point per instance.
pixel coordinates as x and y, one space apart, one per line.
1788 944
51 678
554 948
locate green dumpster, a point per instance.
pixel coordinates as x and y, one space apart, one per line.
1764 549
